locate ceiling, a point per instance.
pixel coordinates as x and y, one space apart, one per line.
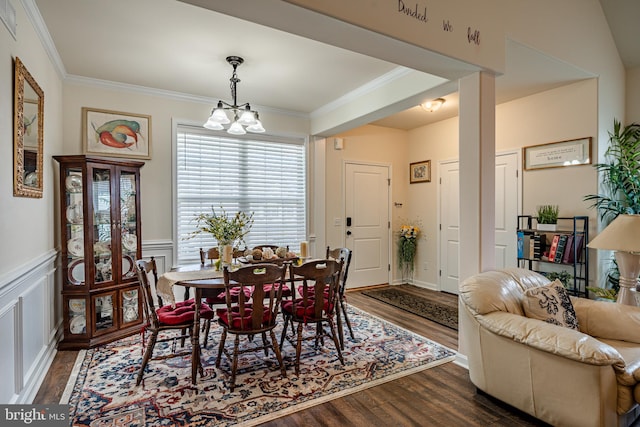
179 50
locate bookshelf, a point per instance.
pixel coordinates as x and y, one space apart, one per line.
560 253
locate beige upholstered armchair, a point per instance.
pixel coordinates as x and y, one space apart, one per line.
563 376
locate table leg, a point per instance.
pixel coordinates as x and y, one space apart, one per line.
195 338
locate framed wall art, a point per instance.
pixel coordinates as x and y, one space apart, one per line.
573 152
116 134
420 172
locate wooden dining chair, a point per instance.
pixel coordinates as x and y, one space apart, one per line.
165 318
250 317
315 305
343 254
211 255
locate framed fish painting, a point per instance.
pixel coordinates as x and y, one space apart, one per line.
116 134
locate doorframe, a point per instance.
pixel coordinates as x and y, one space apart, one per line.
389 167
518 154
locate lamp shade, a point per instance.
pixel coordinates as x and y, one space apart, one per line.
623 234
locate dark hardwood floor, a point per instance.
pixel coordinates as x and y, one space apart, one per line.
440 396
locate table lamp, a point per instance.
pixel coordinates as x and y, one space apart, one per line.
623 236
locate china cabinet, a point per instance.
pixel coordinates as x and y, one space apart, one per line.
101 240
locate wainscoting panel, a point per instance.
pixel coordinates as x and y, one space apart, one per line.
9 338
27 327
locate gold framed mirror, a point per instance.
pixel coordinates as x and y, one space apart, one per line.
28 134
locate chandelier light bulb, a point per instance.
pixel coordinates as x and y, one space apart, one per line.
256 127
236 128
212 124
220 116
247 118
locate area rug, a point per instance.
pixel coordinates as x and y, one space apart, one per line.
422 305
103 390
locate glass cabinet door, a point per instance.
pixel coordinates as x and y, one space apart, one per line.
74 229
77 316
103 309
102 233
130 304
128 223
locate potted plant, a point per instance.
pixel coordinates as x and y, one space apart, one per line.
228 230
621 187
547 217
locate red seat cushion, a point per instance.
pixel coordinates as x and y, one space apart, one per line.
234 292
239 322
182 313
286 291
311 291
303 311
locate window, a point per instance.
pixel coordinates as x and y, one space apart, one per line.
263 175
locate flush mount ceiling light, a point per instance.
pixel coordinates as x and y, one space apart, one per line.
238 115
433 106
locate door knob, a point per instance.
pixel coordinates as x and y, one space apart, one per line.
348 232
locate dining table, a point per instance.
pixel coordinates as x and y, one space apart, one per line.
207 281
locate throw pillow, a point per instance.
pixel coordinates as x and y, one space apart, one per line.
550 303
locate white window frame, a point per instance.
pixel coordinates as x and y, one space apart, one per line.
178 126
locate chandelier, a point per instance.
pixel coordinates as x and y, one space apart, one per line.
242 115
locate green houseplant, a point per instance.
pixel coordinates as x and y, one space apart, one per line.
547 216
620 186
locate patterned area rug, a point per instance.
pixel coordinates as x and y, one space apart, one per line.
422 305
104 391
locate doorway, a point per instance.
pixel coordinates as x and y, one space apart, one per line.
506 213
367 223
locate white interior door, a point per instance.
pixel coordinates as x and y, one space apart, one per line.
367 210
506 212
449 226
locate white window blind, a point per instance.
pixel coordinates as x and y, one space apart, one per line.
265 176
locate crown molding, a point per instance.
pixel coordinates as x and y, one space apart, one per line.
369 87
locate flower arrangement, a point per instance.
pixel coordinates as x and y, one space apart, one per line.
226 229
407 246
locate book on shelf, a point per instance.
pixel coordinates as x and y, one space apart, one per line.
520 244
578 242
554 247
539 245
562 243
567 258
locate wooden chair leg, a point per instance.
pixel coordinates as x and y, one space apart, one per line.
223 338
335 339
236 345
299 347
276 350
265 343
343 305
147 355
207 328
284 330
340 330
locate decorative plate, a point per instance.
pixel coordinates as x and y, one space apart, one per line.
73 183
78 325
127 266
74 214
76 246
130 313
76 272
31 179
77 306
130 242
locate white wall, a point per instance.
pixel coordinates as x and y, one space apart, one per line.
156 175
632 94
29 293
568 112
